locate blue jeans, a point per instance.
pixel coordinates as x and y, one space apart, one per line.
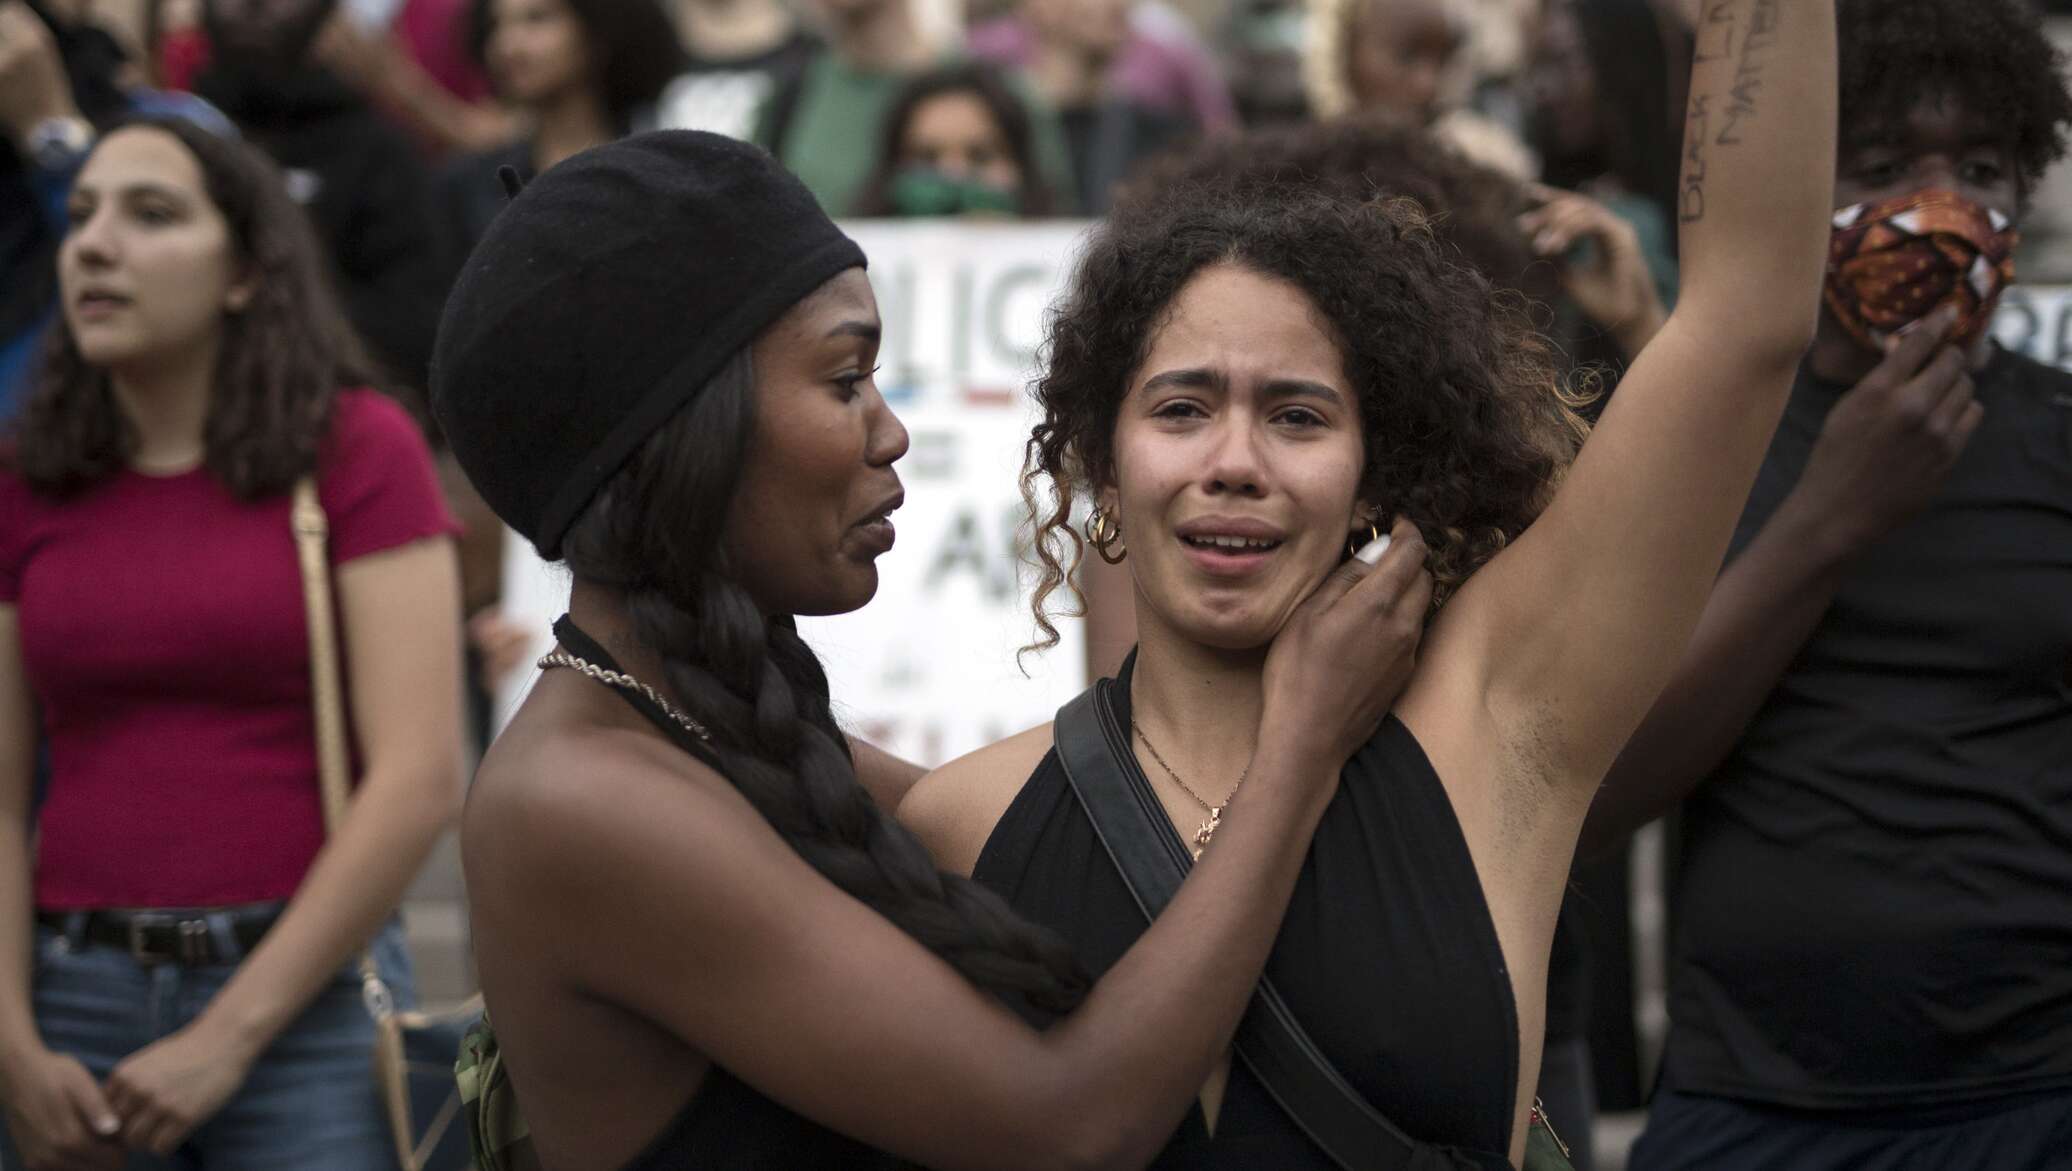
308 1102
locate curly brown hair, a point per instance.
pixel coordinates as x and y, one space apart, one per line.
1465 424
283 358
1473 209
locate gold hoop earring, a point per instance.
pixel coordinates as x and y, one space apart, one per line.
1354 546
1104 534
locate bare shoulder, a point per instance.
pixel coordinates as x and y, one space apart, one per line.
953 810
556 811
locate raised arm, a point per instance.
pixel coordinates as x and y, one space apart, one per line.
1882 454
1569 634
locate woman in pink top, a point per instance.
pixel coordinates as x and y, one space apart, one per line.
184 981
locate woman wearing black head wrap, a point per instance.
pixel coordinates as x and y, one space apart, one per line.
688 907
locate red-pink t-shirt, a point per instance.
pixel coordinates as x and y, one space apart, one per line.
163 636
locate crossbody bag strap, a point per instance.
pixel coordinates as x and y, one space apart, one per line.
327 691
1094 749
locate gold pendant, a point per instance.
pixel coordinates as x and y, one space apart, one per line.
1207 831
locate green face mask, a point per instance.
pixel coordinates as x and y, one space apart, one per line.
921 191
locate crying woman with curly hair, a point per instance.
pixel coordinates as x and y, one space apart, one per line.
1251 381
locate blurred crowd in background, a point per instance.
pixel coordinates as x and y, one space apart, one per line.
392 119
1540 126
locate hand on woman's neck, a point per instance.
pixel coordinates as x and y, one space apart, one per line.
167 401
1194 701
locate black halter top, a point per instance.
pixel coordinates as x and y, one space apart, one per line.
1388 955
727 1125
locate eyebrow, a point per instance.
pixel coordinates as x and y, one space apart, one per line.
1197 378
867 330
133 190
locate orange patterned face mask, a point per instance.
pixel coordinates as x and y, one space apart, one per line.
1893 263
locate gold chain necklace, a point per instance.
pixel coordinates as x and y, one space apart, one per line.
1208 828
628 682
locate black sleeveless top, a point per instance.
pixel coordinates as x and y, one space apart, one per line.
1388 956
727 1125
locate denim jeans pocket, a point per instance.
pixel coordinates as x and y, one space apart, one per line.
49 946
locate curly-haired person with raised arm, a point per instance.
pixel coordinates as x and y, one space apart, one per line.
1244 374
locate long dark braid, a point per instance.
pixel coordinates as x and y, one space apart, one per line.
653 534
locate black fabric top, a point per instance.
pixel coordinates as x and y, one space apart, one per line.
1388 956
1876 903
723 94
368 193
727 1125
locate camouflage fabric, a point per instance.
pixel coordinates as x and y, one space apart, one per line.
496 1131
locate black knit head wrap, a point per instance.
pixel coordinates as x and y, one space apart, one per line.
606 296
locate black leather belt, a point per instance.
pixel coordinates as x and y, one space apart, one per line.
169 935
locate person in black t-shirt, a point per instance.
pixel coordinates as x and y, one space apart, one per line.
361 181
739 54
1873 723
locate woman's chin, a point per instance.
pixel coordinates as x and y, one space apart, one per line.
1233 632
107 349
841 593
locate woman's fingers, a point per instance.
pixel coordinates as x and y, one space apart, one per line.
91 1105
1396 569
1416 599
1567 218
1380 571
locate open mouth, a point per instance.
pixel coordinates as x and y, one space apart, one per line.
1229 555
1233 544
